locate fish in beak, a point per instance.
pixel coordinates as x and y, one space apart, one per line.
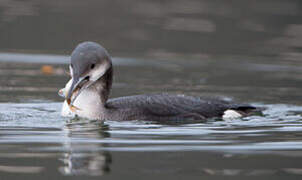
77 86
70 93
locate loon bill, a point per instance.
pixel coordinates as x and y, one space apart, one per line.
86 95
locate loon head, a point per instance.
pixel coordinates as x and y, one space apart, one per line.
90 67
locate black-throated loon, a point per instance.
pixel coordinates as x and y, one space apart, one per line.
88 90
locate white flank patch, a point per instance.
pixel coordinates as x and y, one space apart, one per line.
231 114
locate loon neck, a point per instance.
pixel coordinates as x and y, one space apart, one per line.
103 85
89 105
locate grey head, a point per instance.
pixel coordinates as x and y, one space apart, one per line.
90 64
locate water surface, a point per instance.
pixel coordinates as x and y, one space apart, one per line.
36 140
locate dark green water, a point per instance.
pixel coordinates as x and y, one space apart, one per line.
249 51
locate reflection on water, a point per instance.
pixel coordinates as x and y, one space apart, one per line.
85 158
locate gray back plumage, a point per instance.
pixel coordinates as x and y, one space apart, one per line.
170 107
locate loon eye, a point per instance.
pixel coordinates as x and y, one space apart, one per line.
87 78
92 66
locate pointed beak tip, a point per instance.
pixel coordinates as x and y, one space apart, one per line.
69 93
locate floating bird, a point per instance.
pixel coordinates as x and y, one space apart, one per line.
88 90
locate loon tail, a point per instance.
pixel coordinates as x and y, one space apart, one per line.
238 111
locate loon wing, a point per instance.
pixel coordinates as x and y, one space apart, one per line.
167 106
